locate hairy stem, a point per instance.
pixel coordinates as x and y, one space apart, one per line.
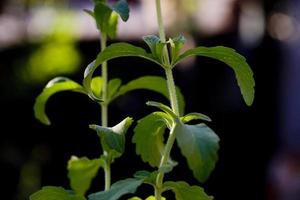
104 110
174 104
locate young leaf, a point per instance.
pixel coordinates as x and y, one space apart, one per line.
54 86
118 189
112 24
163 107
155 46
153 83
194 116
176 45
113 86
199 144
96 86
236 61
113 138
81 172
184 191
122 8
148 177
102 15
54 193
148 137
91 88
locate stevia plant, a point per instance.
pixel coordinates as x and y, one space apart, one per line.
198 143
102 91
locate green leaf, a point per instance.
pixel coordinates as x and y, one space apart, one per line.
135 198
112 25
199 144
122 8
118 189
153 83
96 86
113 86
54 86
155 46
148 177
54 193
184 191
148 137
176 45
113 51
113 138
236 61
163 107
81 172
194 116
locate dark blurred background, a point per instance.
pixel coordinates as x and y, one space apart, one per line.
260 145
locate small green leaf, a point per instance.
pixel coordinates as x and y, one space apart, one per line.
102 15
148 137
184 191
199 144
122 8
148 177
81 172
176 45
113 86
153 83
163 107
118 189
54 193
112 24
54 86
96 86
194 116
113 139
113 51
236 61
153 42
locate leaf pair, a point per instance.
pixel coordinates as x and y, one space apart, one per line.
198 143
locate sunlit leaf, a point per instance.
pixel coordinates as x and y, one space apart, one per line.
118 189
236 61
148 137
153 83
54 86
54 193
199 144
81 172
112 25
96 86
194 116
184 191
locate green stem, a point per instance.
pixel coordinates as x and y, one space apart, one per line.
174 103
104 109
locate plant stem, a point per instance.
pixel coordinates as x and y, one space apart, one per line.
174 103
104 110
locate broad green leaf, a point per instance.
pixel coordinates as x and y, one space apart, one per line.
184 191
153 83
96 86
199 144
176 45
113 86
122 8
194 116
118 189
54 193
81 172
148 137
236 61
54 86
163 107
113 51
113 138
